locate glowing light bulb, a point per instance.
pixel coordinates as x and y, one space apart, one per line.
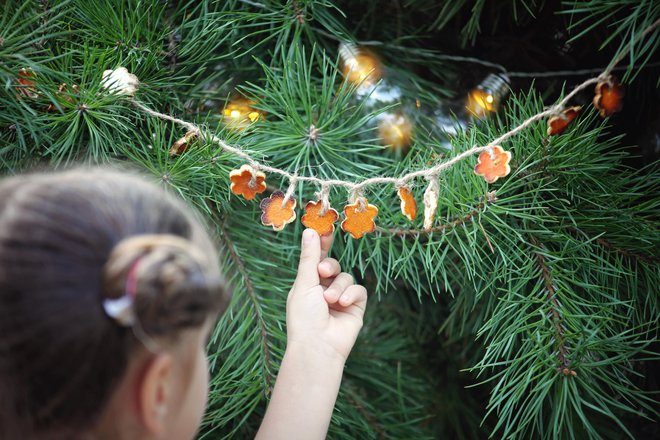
359 66
395 130
239 113
487 97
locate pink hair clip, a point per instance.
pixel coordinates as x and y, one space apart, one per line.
122 309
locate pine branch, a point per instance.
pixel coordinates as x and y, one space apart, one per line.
562 352
348 394
648 259
627 21
249 287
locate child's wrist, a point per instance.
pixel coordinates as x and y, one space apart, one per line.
314 351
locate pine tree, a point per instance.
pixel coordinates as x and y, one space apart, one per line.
530 310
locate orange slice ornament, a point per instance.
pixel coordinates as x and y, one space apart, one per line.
431 196
275 213
181 145
493 164
408 203
557 124
359 219
609 97
323 224
247 182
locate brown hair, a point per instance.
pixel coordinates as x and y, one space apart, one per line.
67 242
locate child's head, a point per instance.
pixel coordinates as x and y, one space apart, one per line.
72 245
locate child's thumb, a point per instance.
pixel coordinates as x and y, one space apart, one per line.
310 257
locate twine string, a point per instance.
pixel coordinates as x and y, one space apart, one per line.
356 195
293 181
253 180
362 204
324 196
491 153
357 188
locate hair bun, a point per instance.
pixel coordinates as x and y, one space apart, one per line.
173 281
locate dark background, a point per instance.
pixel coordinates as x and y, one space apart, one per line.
512 37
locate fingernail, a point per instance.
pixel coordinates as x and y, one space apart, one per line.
308 235
344 298
326 266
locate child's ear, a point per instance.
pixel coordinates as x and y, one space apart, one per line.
155 392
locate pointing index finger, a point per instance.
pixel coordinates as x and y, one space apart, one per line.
308 274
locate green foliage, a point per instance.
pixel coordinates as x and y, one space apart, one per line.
472 28
568 296
310 123
509 295
625 21
469 18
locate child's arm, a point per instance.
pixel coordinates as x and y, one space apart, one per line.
324 315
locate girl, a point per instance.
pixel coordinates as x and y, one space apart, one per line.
108 291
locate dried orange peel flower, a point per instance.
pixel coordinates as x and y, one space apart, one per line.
408 203
557 124
275 213
182 144
430 204
359 219
609 97
247 182
323 224
493 164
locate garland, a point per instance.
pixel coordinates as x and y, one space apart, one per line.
279 209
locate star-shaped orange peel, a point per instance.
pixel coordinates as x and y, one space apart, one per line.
557 124
609 97
493 164
408 203
247 182
323 224
182 144
359 219
275 213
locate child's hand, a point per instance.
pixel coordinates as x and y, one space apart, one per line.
324 315
324 307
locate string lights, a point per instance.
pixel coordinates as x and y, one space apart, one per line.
364 69
359 66
239 113
488 96
395 130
